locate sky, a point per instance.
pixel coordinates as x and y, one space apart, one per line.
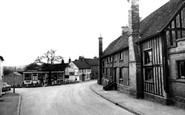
29 28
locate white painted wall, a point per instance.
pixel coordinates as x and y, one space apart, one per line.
1 74
72 68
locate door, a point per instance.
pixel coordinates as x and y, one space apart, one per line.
114 76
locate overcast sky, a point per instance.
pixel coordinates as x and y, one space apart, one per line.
29 28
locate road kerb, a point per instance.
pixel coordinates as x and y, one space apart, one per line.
124 107
19 105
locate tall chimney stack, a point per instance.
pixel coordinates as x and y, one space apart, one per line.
134 56
133 15
100 60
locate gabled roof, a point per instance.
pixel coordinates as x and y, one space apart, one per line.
45 67
91 62
81 64
159 19
117 45
150 26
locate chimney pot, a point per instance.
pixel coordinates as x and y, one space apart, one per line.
125 29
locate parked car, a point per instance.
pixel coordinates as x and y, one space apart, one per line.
6 87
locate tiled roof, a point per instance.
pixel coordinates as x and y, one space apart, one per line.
150 26
54 67
81 64
117 45
91 62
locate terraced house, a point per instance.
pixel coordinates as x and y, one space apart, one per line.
148 59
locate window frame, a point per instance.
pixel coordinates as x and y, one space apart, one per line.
176 29
150 80
179 69
121 56
144 57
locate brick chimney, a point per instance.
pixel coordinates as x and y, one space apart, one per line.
134 56
100 60
133 15
81 58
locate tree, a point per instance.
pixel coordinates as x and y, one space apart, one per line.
32 66
7 70
47 60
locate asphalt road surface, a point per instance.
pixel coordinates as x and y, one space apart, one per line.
72 99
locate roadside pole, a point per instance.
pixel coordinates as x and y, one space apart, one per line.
14 80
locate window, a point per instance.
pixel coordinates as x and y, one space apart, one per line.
107 60
121 56
66 76
27 77
183 17
103 63
181 69
115 58
35 76
110 59
176 29
41 76
71 73
103 70
148 74
120 75
148 57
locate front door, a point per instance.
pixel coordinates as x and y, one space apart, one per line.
83 77
114 76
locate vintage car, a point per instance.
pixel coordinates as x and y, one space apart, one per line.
6 87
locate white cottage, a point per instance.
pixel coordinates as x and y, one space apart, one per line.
72 72
78 70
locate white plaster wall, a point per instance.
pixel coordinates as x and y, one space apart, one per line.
1 74
72 68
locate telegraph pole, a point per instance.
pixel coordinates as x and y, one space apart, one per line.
14 80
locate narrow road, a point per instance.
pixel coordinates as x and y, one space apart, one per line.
73 99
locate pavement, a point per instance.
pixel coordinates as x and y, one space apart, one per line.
9 103
136 106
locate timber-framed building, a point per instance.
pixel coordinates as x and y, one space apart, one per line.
148 59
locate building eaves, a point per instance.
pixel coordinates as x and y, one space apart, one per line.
157 21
